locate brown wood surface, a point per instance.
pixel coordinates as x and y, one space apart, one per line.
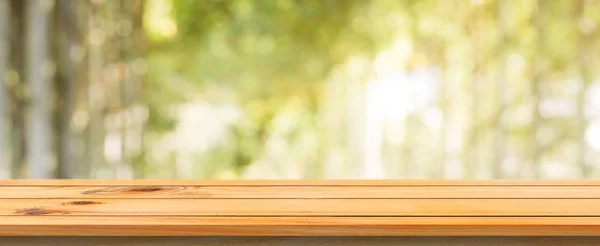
295 241
295 192
297 226
299 208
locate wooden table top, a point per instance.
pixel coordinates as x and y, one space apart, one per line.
299 208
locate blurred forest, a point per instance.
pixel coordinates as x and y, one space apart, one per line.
292 89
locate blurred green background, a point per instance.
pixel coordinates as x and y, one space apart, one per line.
299 89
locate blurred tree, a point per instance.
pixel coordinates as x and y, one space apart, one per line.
16 86
300 89
68 55
4 41
37 76
586 61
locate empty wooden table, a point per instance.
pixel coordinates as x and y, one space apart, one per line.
295 212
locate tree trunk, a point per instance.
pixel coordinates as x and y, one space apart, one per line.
95 93
39 129
139 72
15 85
533 170
499 136
585 61
67 67
125 80
4 24
80 128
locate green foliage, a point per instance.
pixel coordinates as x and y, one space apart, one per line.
263 56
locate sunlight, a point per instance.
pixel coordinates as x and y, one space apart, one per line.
158 20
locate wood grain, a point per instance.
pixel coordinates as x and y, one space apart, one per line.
304 207
299 208
297 226
303 241
297 192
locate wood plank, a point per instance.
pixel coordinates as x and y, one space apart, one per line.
302 207
100 182
298 192
293 208
296 226
296 241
